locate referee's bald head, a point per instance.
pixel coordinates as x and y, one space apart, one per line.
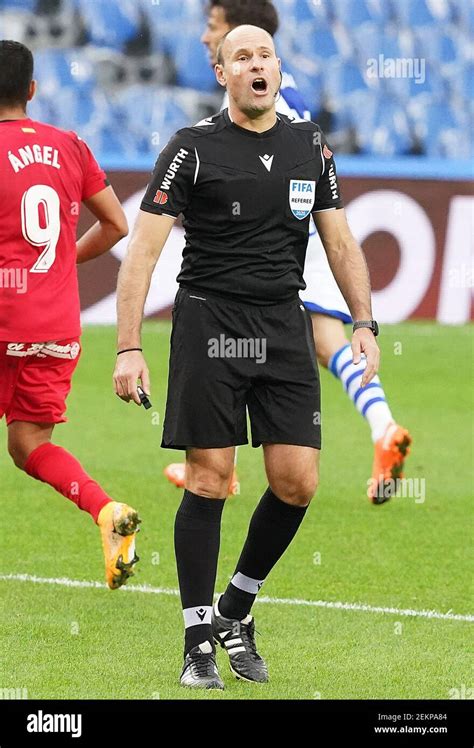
249 69
241 33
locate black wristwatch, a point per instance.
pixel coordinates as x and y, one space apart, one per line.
370 323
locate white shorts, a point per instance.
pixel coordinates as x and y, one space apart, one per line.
322 293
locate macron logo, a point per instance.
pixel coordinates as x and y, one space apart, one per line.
267 161
41 722
173 168
204 122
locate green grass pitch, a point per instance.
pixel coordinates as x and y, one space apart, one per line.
78 643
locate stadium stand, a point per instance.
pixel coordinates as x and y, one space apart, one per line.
127 74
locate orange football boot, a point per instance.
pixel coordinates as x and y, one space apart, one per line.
175 473
389 457
118 525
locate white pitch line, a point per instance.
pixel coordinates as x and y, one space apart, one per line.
362 607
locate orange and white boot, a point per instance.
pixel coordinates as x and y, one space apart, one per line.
176 475
234 485
389 458
118 524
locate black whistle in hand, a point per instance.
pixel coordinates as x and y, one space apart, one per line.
143 398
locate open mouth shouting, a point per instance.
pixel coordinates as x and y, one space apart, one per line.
259 86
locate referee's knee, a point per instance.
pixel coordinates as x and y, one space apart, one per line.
209 472
213 484
298 491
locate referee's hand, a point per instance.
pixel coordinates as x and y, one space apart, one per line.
363 341
129 368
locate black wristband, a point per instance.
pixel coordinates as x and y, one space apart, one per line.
127 350
371 324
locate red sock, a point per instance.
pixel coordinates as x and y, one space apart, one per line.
56 466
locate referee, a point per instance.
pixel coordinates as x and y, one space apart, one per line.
246 181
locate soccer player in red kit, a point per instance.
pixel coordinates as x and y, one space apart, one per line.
46 174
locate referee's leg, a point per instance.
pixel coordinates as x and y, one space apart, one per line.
197 540
292 473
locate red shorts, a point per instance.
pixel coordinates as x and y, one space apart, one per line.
35 379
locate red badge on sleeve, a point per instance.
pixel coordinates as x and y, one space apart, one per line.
161 197
326 152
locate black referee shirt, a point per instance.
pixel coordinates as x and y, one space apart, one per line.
246 200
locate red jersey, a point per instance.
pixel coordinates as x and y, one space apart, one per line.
45 175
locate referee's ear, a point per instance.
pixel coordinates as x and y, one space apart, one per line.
220 75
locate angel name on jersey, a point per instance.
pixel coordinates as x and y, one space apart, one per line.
34 154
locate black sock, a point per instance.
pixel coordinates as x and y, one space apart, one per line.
197 532
272 528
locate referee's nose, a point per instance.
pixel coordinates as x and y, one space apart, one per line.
257 64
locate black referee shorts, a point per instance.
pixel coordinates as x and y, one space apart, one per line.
227 356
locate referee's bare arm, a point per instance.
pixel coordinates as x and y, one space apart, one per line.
146 243
349 268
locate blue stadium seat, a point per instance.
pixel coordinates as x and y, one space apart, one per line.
441 47
430 83
192 64
391 46
53 70
418 13
465 85
341 124
162 13
400 50
341 81
395 44
447 50
463 14
150 113
109 140
361 111
39 109
110 24
57 70
122 131
168 19
191 10
74 109
309 84
368 41
29 5
316 42
78 68
381 10
353 12
441 134
304 10
417 91
383 128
